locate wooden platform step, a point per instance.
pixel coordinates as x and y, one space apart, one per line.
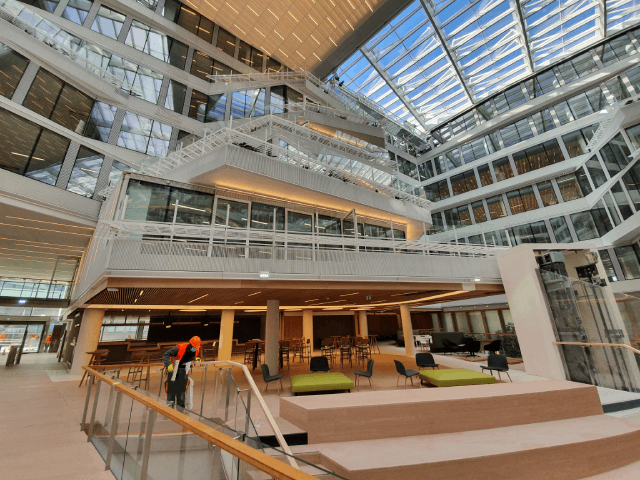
559 450
427 411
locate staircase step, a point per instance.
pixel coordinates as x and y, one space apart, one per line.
563 450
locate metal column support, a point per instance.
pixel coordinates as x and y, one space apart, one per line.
204 383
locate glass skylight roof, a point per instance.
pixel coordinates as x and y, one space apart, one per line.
439 57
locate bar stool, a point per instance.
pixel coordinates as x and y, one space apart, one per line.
363 350
284 353
137 374
345 351
97 357
327 349
373 341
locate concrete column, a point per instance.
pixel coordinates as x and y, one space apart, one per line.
364 325
407 330
272 335
87 341
226 335
307 325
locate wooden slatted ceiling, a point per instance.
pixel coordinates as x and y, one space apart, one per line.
318 299
298 33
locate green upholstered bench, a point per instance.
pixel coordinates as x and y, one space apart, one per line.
452 377
319 382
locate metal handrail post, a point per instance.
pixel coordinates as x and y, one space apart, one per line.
114 429
93 413
147 445
86 403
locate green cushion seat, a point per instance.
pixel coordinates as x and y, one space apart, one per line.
452 377
317 382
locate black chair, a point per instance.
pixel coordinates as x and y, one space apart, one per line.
319 364
493 347
425 360
403 372
268 378
472 347
498 363
450 347
368 374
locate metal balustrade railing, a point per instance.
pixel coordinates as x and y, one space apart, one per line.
227 136
370 153
210 234
29 21
351 101
294 107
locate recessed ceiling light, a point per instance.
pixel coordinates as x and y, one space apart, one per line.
477 279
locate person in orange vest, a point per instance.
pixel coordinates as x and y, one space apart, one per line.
183 353
47 343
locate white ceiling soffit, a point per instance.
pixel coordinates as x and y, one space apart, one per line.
437 58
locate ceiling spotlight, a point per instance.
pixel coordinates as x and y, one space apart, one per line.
22 302
264 274
112 289
477 279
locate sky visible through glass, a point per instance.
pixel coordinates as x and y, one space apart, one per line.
437 58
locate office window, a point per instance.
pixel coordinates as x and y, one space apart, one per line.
540 232
496 207
631 180
618 89
202 65
583 181
108 22
608 265
250 56
608 200
615 50
263 216
578 67
47 157
140 81
171 10
85 172
616 152
621 200
65 105
155 43
18 138
474 150
117 169
541 84
440 165
205 29
77 10
596 171
547 193
569 187
521 234
238 213
207 108
425 170
147 202
226 42
176 96
100 121
538 156
248 103
634 136
273 66
437 225
634 77
144 135
458 217
502 168
543 121
479 214
43 93
12 67
516 132
485 175
499 237
195 208
299 222
522 200
564 113
452 159
561 230
486 111
48 5
628 258
463 182
576 142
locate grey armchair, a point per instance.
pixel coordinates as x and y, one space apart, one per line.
498 363
268 378
368 374
403 372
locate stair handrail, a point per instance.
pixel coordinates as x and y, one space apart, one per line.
596 344
265 463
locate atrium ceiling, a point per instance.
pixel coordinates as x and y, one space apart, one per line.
437 58
298 33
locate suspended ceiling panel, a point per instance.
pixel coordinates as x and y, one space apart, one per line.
299 33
